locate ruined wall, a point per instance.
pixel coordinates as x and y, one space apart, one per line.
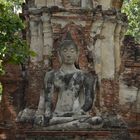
12 97
12 100
129 95
102 25
97 28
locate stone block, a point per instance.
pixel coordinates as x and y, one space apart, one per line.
40 3
107 51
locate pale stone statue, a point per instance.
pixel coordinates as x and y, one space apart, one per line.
67 98
68 95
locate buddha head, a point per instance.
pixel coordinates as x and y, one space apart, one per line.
68 52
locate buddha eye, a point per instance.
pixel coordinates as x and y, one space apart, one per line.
72 50
64 50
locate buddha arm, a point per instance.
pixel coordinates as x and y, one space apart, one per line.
89 92
49 89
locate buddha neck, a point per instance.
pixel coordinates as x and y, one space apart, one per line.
68 68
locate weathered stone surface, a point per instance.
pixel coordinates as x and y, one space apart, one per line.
36 43
122 135
40 3
117 46
72 88
130 80
107 51
47 40
35 85
106 4
109 93
96 31
13 92
127 95
58 3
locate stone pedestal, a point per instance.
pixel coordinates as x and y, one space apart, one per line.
103 134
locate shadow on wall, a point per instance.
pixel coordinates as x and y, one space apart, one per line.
0 92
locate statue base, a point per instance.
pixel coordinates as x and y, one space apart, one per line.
110 134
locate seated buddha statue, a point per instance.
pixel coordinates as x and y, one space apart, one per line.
68 95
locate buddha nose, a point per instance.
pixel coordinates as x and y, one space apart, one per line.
68 55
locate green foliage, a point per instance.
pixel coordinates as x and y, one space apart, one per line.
12 47
132 10
0 89
1 68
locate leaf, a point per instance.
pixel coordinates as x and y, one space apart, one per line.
32 53
132 10
12 47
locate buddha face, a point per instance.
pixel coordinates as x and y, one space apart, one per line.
68 54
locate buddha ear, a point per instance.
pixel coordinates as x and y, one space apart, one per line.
77 60
60 58
77 57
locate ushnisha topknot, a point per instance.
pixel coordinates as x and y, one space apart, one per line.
67 41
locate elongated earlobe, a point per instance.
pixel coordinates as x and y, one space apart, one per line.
60 58
77 61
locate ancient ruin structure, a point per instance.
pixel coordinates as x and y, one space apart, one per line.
97 28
